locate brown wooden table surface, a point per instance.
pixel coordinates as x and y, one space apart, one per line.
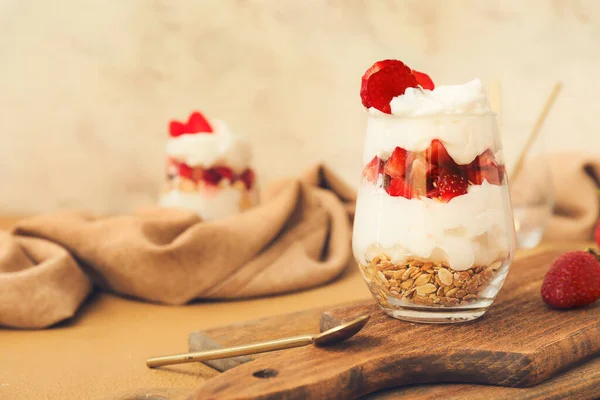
102 350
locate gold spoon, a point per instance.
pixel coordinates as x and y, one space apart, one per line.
329 337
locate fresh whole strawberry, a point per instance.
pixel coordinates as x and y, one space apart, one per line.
573 280
399 187
373 169
398 162
424 80
450 183
383 81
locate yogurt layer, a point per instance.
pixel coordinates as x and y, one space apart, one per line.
210 205
458 115
472 229
220 148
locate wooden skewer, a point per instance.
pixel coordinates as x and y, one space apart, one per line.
536 130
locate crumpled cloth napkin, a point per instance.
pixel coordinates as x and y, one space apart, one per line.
297 238
574 181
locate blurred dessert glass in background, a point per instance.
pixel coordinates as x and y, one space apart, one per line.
208 169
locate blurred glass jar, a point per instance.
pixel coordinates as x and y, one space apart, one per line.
531 191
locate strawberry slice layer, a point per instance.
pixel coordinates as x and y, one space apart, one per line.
399 187
451 184
397 164
373 169
383 81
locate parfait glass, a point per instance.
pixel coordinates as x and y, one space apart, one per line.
433 231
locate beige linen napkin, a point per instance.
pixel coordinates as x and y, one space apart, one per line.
297 238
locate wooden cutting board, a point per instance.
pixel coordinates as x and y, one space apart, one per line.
518 343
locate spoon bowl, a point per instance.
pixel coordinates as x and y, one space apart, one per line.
341 332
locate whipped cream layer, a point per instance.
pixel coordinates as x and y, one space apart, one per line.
472 229
219 148
208 204
459 116
468 98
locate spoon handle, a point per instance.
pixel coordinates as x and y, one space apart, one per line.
235 351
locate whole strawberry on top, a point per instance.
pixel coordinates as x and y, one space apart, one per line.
573 280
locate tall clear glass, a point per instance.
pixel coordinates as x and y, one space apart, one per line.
433 231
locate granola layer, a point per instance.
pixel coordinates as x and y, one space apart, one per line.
427 283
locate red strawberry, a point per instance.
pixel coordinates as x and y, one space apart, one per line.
225 173
197 174
491 174
185 171
171 168
398 162
474 174
373 169
437 154
485 167
211 176
383 81
198 124
176 128
573 280
424 80
248 178
486 159
399 187
450 184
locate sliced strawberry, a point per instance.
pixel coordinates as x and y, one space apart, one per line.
450 184
437 155
197 174
484 167
211 176
383 81
185 171
398 162
433 193
176 128
492 175
424 80
198 124
373 169
473 174
399 187
248 178
486 159
431 176
225 173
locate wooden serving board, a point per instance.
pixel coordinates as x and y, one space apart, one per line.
520 342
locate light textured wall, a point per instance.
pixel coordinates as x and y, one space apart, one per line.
87 86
